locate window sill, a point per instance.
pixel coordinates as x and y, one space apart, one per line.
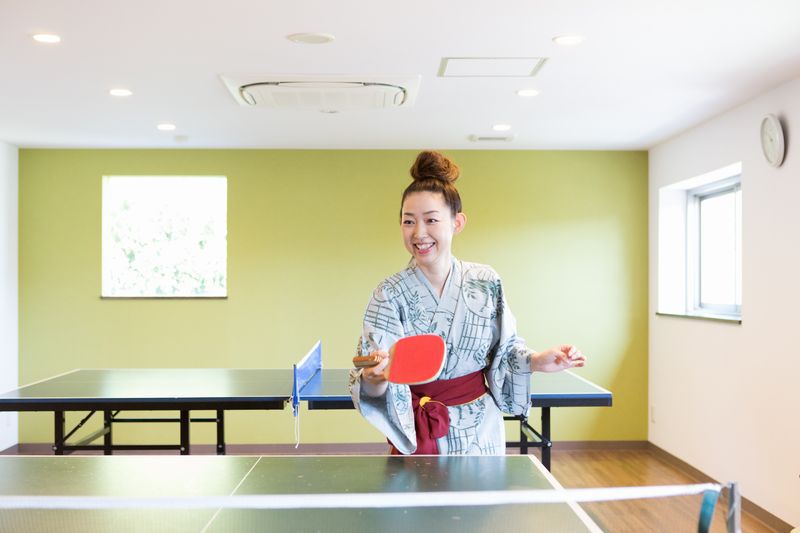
714 318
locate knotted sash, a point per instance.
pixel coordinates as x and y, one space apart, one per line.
430 402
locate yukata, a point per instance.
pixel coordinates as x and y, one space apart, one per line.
480 335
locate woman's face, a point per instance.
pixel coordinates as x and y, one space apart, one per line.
428 227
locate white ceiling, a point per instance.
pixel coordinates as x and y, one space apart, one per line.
648 69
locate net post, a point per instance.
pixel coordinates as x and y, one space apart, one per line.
734 508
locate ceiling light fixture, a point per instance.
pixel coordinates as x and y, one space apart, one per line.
47 38
501 127
166 127
120 92
311 38
569 40
527 92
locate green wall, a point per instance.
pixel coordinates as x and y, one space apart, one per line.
310 234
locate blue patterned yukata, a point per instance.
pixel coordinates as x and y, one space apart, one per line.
480 334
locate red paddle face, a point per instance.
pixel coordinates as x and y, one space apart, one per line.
416 360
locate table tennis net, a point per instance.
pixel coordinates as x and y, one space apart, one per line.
403 510
302 373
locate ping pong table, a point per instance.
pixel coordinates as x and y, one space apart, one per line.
170 477
112 391
328 390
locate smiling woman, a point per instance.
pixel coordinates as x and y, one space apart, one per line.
487 368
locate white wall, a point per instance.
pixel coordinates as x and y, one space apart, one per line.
725 397
9 343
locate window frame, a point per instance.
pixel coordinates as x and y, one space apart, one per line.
107 288
694 199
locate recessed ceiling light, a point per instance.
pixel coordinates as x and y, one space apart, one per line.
569 40
311 38
48 38
166 127
501 127
527 92
120 92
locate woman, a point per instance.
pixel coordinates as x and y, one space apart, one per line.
487 369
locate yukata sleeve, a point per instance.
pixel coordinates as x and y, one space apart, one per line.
509 373
390 413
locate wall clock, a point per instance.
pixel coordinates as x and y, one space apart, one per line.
772 140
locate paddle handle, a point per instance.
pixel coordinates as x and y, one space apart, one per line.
366 361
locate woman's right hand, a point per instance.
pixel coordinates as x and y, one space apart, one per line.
374 377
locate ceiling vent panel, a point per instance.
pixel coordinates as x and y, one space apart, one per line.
490 67
491 138
324 93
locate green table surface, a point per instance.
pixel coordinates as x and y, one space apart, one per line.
165 476
253 384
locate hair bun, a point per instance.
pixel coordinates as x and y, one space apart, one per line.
434 165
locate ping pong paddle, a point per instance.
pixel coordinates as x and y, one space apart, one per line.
412 360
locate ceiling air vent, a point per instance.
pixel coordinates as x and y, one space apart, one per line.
490 67
491 138
323 93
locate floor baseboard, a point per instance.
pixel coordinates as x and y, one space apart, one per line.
587 445
354 448
366 448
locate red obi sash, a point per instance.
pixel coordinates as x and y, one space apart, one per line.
430 401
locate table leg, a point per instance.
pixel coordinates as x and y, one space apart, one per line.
184 432
523 438
58 433
107 442
220 432
546 442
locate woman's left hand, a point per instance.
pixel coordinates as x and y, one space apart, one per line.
559 358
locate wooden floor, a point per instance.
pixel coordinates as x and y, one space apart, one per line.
609 468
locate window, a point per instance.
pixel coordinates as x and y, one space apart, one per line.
164 236
716 227
700 246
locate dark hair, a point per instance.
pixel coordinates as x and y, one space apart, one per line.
434 172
